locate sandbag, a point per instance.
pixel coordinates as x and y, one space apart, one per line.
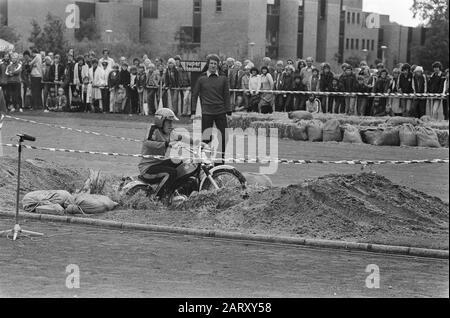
388 137
332 131
407 134
300 115
315 130
427 137
352 135
299 131
426 119
94 203
34 199
442 137
397 121
372 135
53 209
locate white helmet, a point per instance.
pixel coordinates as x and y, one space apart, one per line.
162 115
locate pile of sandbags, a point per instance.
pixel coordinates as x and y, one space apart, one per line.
61 202
332 131
300 115
427 137
382 136
352 135
407 134
315 130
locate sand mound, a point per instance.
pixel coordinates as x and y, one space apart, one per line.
35 175
332 207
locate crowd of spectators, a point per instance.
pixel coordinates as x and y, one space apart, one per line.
87 83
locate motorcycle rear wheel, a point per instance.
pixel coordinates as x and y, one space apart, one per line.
225 179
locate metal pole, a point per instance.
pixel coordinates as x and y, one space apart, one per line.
18 181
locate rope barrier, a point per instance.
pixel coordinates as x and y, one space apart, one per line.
71 129
244 160
282 92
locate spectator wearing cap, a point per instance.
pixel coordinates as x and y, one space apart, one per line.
348 81
326 80
105 58
306 72
171 83
265 102
214 92
419 84
405 87
436 86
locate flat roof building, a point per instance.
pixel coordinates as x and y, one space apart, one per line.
327 30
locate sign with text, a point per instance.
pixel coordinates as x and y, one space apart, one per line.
193 66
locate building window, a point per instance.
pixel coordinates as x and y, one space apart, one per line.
218 6
357 44
373 45
353 17
197 34
363 44
352 44
358 18
197 6
348 17
150 9
347 44
323 9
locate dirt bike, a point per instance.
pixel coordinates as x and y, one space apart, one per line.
193 175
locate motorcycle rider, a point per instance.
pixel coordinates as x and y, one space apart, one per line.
157 143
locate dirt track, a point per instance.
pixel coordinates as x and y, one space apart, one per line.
138 264
431 179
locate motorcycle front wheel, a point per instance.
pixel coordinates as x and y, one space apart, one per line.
227 178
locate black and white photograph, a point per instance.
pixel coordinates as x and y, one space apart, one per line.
224 156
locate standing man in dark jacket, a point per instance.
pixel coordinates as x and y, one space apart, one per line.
214 92
405 87
326 82
436 86
56 74
349 83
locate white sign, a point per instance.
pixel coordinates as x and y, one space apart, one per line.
73 16
373 21
193 66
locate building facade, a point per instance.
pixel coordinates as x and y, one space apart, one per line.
327 30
